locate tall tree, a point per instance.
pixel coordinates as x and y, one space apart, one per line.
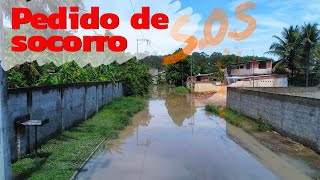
310 39
317 53
287 48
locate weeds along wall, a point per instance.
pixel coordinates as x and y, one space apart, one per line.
286 109
64 105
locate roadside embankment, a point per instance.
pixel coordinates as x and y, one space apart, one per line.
240 120
287 158
293 112
279 166
63 155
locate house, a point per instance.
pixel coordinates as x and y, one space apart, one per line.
157 76
246 69
203 83
254 74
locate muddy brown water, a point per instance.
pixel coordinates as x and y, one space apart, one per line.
173 139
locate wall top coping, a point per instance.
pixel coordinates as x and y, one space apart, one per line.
52 87
285 93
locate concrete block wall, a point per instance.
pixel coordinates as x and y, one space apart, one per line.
73 108
64 105
18 107
293 116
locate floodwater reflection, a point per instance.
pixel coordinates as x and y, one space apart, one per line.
172 139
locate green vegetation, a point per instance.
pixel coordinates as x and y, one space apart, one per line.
29 74
177 73
62 156
202 63
137 78
154 62
135 74
240 120
212 109
182 90
299 51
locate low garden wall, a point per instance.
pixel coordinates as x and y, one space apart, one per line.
64 105
202 87
293 112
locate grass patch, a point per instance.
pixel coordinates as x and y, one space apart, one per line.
263 127
62 156
213 109
240 120
182 90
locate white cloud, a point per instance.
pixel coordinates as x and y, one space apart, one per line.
270 22
165 43
271 17
311 17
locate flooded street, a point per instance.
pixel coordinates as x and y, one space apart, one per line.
173 139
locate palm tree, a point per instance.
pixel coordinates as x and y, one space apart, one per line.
287 48
317 67
317 53
310 40
5 9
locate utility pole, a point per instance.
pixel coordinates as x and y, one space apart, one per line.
5 158
191 73
182 74
140 41
253 63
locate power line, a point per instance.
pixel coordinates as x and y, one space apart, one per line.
141 30
132 7
134 13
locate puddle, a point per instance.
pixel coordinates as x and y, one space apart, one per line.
173 139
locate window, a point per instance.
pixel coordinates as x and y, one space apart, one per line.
263 65
241 67
248 66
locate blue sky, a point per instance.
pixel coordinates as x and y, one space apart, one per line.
271 17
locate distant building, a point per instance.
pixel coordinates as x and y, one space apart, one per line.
203 83
254 74
154 72
155 75
158 77
246 69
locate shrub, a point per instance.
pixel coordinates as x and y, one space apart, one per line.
240 120
182 90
